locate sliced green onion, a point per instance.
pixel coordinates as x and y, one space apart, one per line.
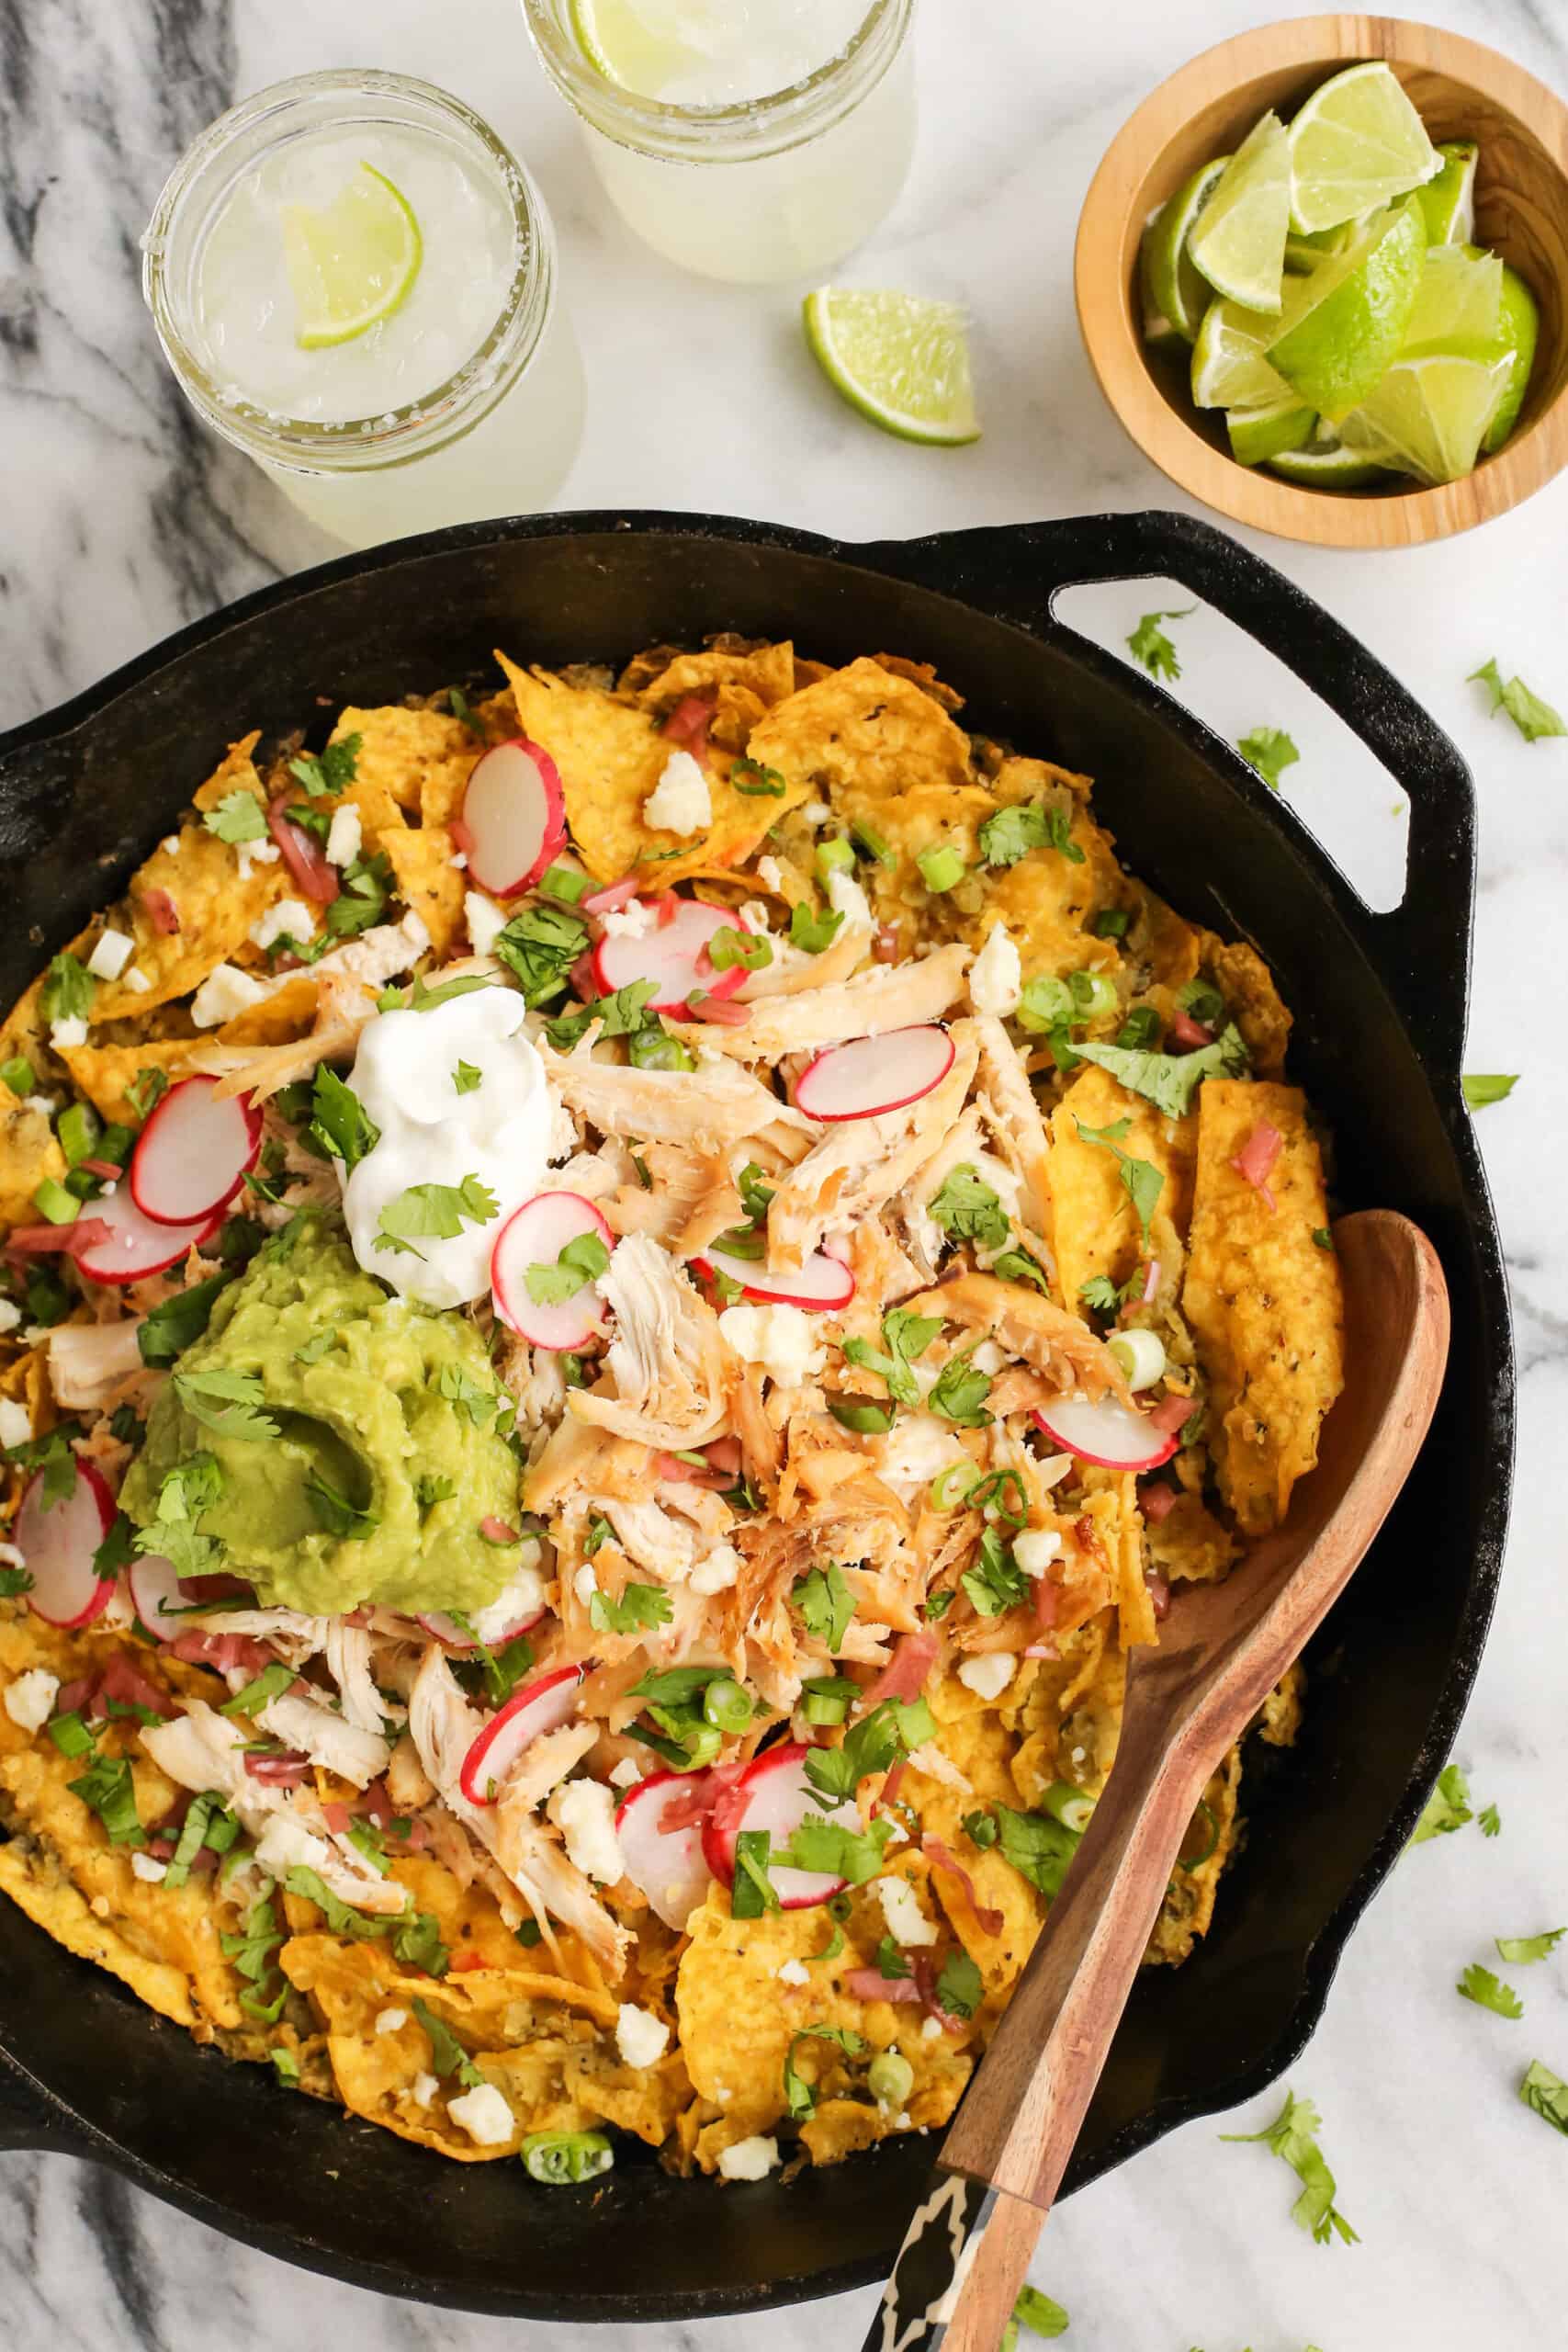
827 1697
890 2078
834 857
566 2159
1044 1002
78 1128
940 867
1093 994
872 843
70 1735
52 1200
17 1074
563 882
1207 1816
1072 1807
727 1707
1141 1355
954 1484
1110 922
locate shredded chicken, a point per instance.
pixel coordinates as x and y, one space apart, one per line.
888 996
712 1106
90 1363
670 1369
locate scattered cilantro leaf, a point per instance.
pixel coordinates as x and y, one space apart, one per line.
622 1013
1150 645
1100 1295
961 1392
1522 1951
468 1395
330 769
1018 1266
826 1604
813 930
467 1079
1293 2137
448 2055
1488 1992
821 1845
1271 751
336 1513
68 989
1010 833
995 1583
1141 1180
800 2096
893 1729
539 947
1547 2093
1447 1808
959 1989
1037 2315
1482 1087
1491 1820
639 1607
752 1891
1038 1846
1532 716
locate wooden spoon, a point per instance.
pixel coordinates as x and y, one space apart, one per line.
1221 1651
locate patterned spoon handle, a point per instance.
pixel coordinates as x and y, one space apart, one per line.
931 2303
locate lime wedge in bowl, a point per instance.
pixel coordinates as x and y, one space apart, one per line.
1350 317
351 263
1238 242
1519 328
1429 415
1355 144
903 362
1259 434
1459 302
1228 367
1326 465
1449 201
1172 285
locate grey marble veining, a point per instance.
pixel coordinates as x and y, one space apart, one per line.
120 519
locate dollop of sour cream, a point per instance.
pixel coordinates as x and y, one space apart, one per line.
406 1076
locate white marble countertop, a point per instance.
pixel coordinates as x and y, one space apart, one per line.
121 520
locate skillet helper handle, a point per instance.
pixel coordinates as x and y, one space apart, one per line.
968 2250
1017 570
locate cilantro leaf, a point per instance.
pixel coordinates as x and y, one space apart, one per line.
639 1607
340 1125
271 1683
239 817
895 1728
229 1403
1038 1846
106 1789
1018 1266
361 900
821 1845
1488 1992
1532 716
336 1513
1271 751
995 1583
1170 1080
959 1989
961 1392
1141 1180
908 1336
146 1090
416 1941
14 1582
50 1453
582 1259
468 1395
967 1209
1491 1820
624 1013
68 989
1100 1295
330 769
752 1891
1447 1808
1547 2093
1293 2137
800 2096
814 931
1480 1088
448 2055
1150 645
1038 2314
539 947
434 1212
826 1604
1009 834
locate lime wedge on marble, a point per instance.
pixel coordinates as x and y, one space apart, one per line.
903 362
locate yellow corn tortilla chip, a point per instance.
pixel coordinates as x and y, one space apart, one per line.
1188 1544
1189 1906
410 762
1262 1298
104 1073
216 907
29 1151
753 681
427 881
1252 1001
865 731
611 756
1094 1227
279 1019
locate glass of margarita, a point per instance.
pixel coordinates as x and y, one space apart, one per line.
356 283
805 110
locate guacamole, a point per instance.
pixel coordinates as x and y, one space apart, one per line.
336 1473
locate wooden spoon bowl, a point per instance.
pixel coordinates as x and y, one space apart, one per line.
1461 90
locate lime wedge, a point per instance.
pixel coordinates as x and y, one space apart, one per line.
1171 284
351 263
1429 415
1228 367
1449 201
643 45
1357 142
1459 301
1258 433
1327 466
902 362
1358 304
1517 330
1303 253
1239 241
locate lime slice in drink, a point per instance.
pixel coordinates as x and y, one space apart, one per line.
1256 434
1333 351
1326 465
642 45
902 362
1238 242
1459 302
1228 367
1518 327
1171 284
1357 142
1429 415
352 261
1449 201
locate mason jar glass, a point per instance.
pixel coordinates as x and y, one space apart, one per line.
758 189
465 400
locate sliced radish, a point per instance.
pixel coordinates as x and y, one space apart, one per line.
610 894
57 1540
871 1075
194 1153
134 1245
514 816
674 954
1109 1434
452 1636
536 1234
772 1794
305 858
822 1282
669 1865
543 1706
154 1584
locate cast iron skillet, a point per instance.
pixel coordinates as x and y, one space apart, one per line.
1380 1001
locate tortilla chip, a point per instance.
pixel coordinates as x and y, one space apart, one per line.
279 1019
1252 1001
1188 1544
765 675
216 908
428 882
1280 1721
1189 1906
643 2099
611 756
29 1152
104 1073
235 772
865 731
1262 1298
410 762
1094 1227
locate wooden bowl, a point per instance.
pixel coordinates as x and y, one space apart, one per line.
1461 90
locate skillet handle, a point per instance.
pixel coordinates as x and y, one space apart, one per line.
1017 570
